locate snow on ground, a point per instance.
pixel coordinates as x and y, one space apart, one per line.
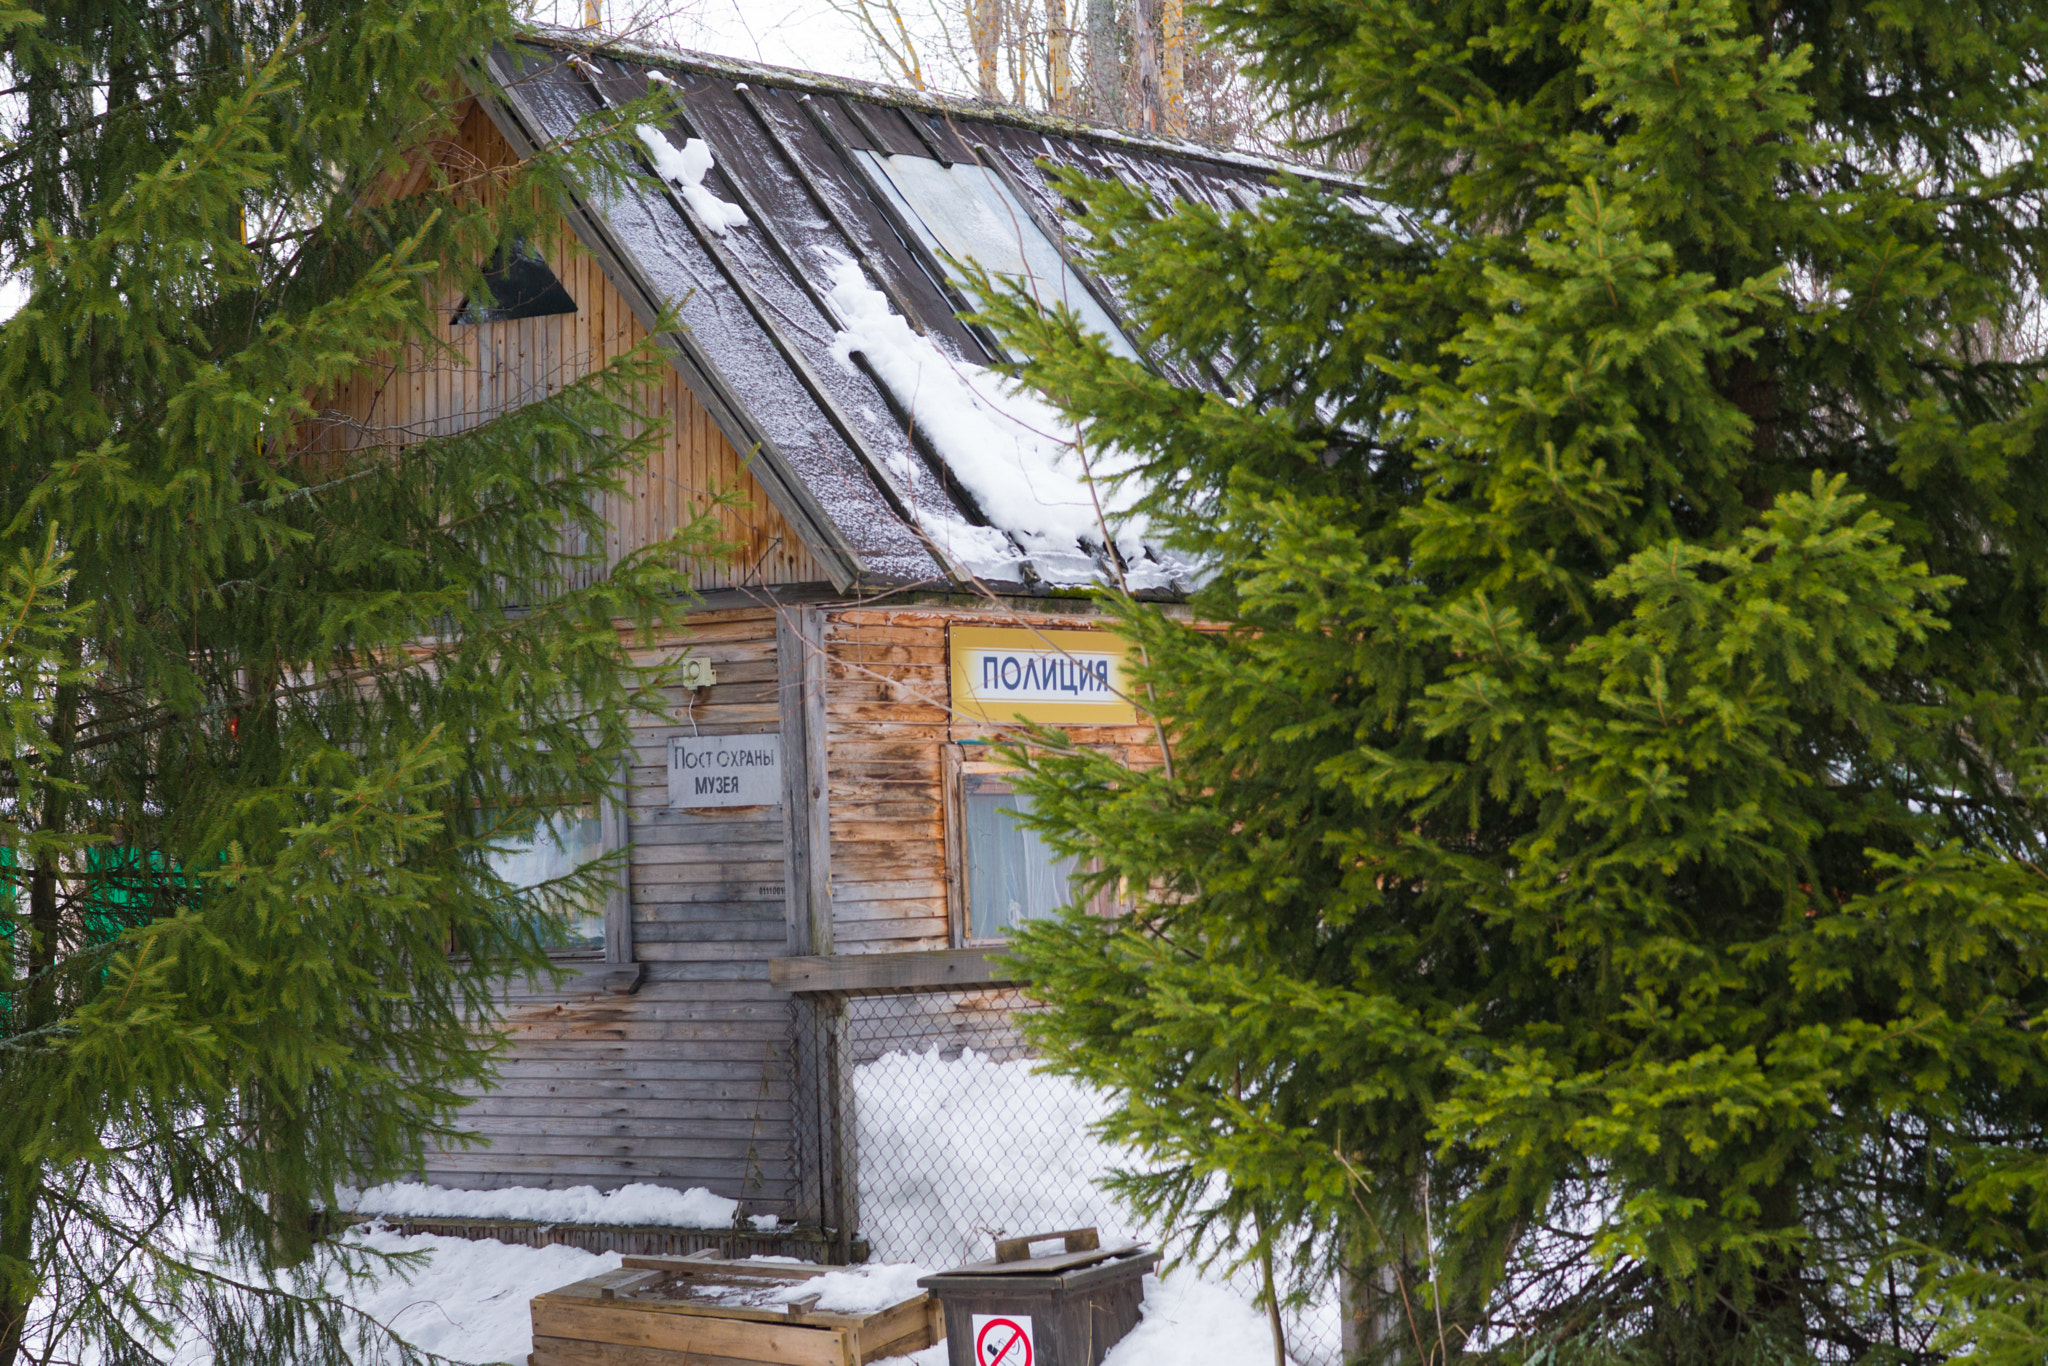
930 1356
944 1188
470 1303
934 1187
472 1299
952 1148
1188 1322
469 1300
636 1205
1193 1322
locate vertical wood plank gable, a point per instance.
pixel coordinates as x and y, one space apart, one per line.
499 366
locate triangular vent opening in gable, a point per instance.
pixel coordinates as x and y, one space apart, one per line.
522 286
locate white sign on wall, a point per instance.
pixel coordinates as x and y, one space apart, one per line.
725 770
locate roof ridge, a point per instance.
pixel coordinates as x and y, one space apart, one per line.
987 111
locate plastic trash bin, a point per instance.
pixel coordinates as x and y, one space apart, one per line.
1064 1309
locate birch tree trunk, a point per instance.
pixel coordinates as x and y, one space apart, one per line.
1059 57
985 32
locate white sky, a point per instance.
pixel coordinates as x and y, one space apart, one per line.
802 33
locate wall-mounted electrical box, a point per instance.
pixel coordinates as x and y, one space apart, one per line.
693 672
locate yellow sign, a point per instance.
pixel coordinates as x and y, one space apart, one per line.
1021 674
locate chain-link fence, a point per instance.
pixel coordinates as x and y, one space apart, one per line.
925 1132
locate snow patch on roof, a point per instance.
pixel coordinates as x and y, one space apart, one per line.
1025 465
685 170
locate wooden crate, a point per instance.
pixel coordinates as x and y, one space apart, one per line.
664 1311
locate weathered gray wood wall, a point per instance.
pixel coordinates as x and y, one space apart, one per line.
685 1082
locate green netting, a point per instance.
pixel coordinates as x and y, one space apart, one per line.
127 889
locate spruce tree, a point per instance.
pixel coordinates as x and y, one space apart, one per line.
1595 902
268 705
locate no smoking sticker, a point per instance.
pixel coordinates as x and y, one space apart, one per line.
1002 1340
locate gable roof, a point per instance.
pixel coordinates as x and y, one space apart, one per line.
821 328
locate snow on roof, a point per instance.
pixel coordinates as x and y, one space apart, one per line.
685 170
1016 455
827 336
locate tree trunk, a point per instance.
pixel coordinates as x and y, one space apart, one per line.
1378 1320
36 1003
1059 58
44 921
20 1185
1173 75
1146 110
985 31
1105 61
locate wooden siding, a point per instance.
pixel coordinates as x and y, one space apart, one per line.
689 1081
886 700
686 1082
495 367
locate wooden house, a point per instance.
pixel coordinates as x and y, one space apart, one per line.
814 816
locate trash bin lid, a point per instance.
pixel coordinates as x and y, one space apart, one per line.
1082 1248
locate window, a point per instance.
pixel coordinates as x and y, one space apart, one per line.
558 846
522 286
966 212
1011 875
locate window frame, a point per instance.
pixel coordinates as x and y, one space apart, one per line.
614 832
502 271
955 771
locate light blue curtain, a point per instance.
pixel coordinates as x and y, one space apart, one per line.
1012 876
